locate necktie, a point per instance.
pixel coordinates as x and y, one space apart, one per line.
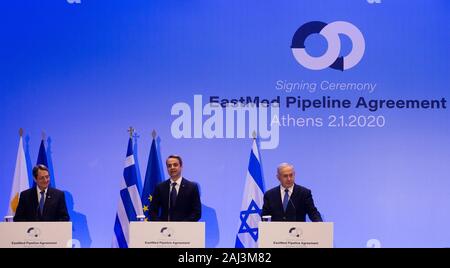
285 199
41 202
173 196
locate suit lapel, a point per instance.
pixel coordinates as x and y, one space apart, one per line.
278 202
295 194
166 194
34 201
48 200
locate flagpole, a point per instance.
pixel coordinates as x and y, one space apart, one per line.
131 131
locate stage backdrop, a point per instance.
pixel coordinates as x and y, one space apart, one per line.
358 92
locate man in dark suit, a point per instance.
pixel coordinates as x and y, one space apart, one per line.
289 201
42 203
175 199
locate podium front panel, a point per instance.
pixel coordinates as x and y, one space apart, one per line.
295 235
167 234
35 234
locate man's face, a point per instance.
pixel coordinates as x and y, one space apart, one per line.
286 176
173 167
42 179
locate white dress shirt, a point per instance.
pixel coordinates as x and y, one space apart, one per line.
290 189
177 187
39 193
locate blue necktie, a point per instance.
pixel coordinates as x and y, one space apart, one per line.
285 199
41 202
173 196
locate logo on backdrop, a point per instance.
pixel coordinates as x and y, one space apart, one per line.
331 57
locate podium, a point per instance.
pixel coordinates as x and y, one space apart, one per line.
167 235
295 235
36 234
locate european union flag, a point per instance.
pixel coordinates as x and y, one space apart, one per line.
153 176
42 155
43 160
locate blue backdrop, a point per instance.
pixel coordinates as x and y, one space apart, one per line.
86 72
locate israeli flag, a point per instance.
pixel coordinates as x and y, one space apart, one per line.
252 202
130 205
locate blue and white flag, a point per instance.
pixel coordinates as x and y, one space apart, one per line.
130 205
252 202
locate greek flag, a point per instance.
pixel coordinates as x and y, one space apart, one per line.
252 202
130 205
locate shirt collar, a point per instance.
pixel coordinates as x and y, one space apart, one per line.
177 181
290 189
39 190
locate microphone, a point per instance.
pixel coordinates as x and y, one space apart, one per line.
290 200
295 209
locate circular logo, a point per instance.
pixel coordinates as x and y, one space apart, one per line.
331 57
33 232
295 232
167 232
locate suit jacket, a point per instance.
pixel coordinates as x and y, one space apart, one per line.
187 207
300 204
54 207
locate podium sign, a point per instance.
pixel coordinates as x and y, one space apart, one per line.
167 234
35 234
295 235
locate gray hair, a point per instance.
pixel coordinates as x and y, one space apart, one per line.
283 165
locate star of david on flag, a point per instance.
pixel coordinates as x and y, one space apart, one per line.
252 202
